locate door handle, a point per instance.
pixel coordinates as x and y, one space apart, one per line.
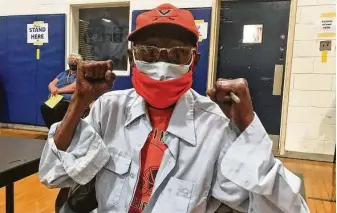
278 79
282 54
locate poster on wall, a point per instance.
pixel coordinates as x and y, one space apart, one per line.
202 28
327 25
37 33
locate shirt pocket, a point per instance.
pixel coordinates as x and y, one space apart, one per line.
111 179
182 196
178 195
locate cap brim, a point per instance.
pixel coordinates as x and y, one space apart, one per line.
134 34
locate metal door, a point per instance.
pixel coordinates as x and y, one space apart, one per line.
252 45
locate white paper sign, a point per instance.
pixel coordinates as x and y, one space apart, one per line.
37 33
252 34
328 25
203 29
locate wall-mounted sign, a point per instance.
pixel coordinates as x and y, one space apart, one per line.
252 34
37 33
203 29
327 25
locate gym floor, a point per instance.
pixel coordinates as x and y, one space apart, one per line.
318 177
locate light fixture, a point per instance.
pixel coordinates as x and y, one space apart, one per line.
106 20
83 21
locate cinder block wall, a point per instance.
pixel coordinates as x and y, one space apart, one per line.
311 124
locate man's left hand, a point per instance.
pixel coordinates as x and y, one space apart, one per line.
240 113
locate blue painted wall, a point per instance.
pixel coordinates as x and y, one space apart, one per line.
23 78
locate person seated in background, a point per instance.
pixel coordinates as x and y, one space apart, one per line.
64 84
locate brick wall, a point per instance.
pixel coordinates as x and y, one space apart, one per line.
311 120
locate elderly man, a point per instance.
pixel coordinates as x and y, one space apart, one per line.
64 84
161 147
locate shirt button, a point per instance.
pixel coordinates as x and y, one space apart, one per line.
132 175
185 191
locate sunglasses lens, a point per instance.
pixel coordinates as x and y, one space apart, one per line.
176 55
180 55
147 53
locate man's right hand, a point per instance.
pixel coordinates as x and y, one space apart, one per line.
93 79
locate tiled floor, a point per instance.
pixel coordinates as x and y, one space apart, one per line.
319 182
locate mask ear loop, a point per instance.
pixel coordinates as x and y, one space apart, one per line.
191 65
134 58
133 54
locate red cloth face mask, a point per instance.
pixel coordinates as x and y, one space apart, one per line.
161 94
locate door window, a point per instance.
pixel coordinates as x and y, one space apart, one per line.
252 34
102 35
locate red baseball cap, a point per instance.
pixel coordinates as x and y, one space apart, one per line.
165 14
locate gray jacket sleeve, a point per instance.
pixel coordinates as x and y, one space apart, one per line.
249 179
83 159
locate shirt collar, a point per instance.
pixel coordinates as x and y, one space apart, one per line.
136 110
182 120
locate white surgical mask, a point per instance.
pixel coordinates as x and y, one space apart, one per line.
162 70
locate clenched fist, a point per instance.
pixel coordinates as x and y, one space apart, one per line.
93 78
241 112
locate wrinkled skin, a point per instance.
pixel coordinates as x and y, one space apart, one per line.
93 79
240 113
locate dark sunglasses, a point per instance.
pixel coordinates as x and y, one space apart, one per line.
151 54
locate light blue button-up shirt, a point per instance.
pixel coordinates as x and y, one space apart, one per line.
207 162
